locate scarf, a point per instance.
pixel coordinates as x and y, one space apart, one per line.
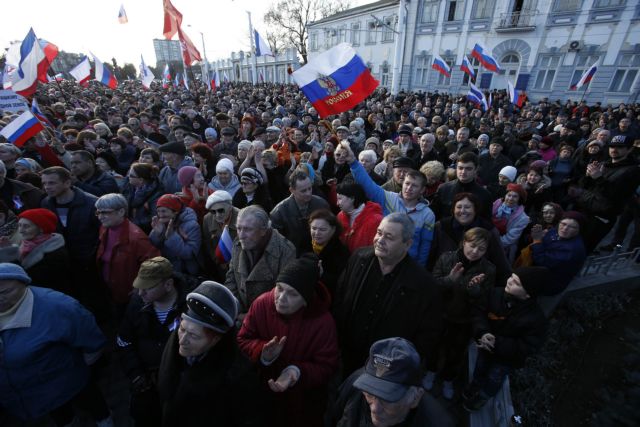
504 211
316 247
26 246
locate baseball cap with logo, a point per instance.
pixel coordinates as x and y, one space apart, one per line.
392 368
620 141
152 272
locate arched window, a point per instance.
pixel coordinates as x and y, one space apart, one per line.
510 63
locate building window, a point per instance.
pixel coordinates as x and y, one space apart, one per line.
384 74
455 10
483 9
442 79
371 32
355 34
430 11
566 5
313 41
583 62
342 34
547 66
608 3
327 38
389 28
475 65
626 73
422 70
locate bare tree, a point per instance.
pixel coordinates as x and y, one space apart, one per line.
289 19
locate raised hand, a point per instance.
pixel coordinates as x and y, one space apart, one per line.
287 379
273 348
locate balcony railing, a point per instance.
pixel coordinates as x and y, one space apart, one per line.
517 21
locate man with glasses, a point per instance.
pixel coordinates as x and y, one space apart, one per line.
221 214
152 314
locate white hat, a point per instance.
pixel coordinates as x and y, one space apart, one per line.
218 196
224 164
509 172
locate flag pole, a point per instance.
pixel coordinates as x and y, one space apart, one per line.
254 64
584 92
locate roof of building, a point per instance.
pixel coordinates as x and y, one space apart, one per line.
355 11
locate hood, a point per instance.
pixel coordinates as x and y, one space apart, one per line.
371 208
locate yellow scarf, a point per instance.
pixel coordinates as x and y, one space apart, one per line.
316 247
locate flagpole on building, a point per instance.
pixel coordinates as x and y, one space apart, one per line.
254 64
204 68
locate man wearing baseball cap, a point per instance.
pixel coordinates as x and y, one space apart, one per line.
152 314
388 391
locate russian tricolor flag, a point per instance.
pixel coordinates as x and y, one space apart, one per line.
82 72
262 47
467 68
441 66
33 66
336 80
225 244
484 57
21 129
35 109
476 96
587 76
103 75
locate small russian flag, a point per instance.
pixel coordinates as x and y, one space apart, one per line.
476 96
35 109
104 75
587 76
467 68
122 15
223 250
482 55
21 129
441 66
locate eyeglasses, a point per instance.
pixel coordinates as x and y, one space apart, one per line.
218 211
105 212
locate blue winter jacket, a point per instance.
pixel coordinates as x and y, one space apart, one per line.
563 257
41 364
422 216
182 247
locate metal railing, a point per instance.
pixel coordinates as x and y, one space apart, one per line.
517 20
615 261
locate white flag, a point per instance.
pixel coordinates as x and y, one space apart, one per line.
145 74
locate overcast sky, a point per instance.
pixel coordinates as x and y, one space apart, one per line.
81 26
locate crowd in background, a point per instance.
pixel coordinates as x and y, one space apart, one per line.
237 251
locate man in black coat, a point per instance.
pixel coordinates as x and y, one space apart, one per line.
605 189
384 293
88 177
152 314
490 163
466 173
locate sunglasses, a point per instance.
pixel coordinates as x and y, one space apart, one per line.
218 211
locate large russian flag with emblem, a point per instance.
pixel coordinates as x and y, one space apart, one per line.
336 80
22 128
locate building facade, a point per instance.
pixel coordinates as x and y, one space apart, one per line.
269 69
543 46
167 51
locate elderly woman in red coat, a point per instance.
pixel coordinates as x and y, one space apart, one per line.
290 333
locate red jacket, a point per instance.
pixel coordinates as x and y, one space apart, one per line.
364 227
311 345
128 253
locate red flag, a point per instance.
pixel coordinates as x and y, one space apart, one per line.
189 51
172 20
522 97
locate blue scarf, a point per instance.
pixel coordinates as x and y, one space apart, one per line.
504 211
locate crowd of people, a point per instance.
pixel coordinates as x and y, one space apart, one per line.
246 261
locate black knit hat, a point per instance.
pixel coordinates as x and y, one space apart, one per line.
302 274
533 279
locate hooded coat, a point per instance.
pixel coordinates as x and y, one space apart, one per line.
182 247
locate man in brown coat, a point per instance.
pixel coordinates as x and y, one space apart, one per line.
259 253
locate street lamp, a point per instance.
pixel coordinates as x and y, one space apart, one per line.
204 69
